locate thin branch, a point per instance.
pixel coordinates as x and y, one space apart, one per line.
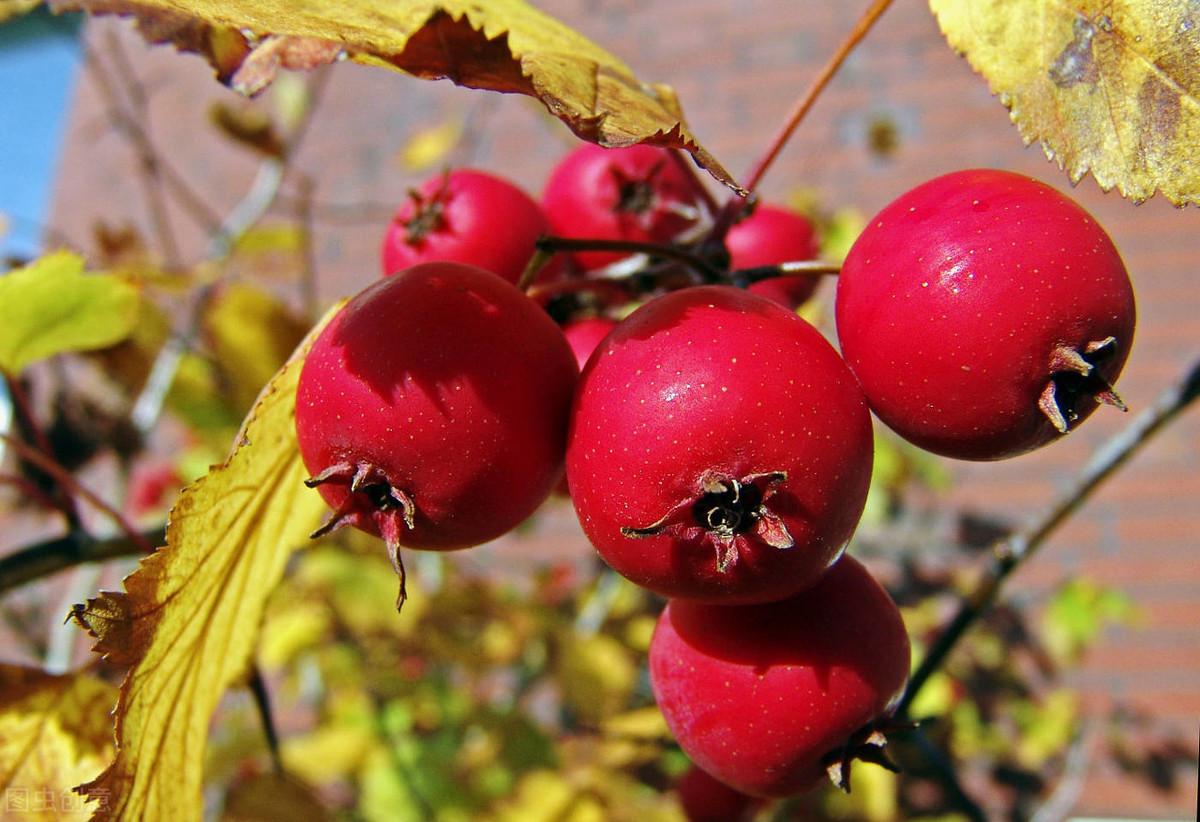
263 193
1011 552
864 24
151 160
64 499
45 558
262 702
1070 786
401 767
308 259
27 488
799 268
24 414
947 776
64 478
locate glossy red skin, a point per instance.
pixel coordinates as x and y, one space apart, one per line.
713 379
705 799
953 299
582 195
486 222
770 236
757 695
457 385
584 335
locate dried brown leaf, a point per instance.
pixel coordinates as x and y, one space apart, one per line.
504 45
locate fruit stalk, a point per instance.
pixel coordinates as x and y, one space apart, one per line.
708 273
1009 553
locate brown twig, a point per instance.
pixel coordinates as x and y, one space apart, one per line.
262 702
65 479
308 259
158 171
64 500
75 548
800 268
1010 553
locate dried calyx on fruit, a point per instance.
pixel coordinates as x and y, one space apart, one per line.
432 410
724 509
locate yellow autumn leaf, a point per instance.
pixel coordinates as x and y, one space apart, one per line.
15 8
596 674
189 617
51 307
1108 88
430 146
251 334
55 732
645 724
503 45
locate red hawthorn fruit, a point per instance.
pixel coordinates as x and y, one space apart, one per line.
719 448
636 193
769 236
432 410
150 486
985 313
705 799
766 697
584 335
466 216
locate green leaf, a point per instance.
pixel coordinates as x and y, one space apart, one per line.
1077 613
51 307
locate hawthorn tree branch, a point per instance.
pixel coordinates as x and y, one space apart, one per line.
62 496
263 193
75 489
74 548
1009 553
262 703
156 168
797 115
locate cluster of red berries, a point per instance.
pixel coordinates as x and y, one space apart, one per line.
718 449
